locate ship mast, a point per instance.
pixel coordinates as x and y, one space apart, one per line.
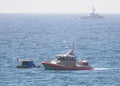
93 10
72 50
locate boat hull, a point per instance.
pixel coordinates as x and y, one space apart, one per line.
27 67
50 66
90 17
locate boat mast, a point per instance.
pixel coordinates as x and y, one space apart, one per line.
72 48
93 10
72 51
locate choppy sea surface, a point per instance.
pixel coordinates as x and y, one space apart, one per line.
40 37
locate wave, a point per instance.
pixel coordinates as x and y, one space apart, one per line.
106 68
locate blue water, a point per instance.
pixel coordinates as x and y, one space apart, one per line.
40 37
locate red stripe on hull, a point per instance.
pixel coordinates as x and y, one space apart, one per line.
50 66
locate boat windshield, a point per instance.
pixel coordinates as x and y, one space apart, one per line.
69 57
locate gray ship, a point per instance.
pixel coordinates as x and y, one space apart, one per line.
93 15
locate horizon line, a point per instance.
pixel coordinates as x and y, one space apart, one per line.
49 13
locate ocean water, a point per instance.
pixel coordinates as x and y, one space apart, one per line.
40 37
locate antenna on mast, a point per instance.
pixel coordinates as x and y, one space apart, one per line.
72 48
93 9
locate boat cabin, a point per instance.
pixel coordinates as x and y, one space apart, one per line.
27 64
65 57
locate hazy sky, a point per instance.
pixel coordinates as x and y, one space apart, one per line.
59 6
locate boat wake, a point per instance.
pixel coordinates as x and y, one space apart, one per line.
106 68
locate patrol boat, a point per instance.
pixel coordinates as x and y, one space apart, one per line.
93 15
66 61
27 64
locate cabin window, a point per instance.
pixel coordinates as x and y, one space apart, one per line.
25 63
30 64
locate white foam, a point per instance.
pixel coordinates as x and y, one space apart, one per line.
102 68
106 68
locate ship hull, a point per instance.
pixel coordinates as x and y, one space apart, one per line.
90 17
27 67
50 66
